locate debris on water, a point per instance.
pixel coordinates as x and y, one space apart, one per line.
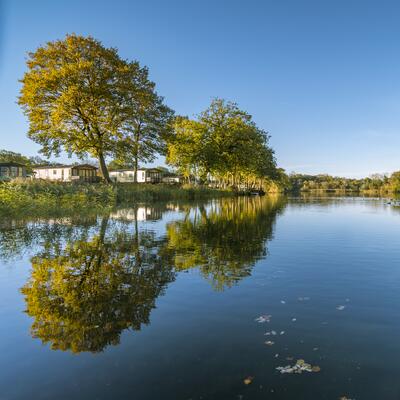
340 308
345 398
303 298
283 301
263 318
300 367
294 319
269 343
315 349
273 333
276 355
282 333
248 380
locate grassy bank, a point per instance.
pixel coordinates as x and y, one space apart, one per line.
37 197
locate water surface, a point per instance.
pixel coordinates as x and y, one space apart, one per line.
161 301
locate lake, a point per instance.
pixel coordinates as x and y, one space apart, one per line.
245 298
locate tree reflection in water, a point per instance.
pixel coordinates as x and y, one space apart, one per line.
84 294
224 239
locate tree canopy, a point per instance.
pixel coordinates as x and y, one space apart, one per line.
83 98
223 144
29 162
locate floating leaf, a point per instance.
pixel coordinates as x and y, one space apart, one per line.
248 380
300 367
263 318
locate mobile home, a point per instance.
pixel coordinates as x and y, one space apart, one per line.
144 175
67 173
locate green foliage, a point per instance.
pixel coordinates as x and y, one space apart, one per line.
393 184
119 164
223 145
81 97
36 197
29 162
147 126
379 184
131 193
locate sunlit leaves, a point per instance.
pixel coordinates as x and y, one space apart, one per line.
81 97
223 143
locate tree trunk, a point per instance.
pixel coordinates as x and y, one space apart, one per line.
136 153
103 228
135 169
103 168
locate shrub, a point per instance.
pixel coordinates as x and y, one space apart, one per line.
24 196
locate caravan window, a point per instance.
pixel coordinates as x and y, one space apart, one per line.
4 171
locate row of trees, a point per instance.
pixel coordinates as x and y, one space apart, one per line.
375 183
223 145
83 98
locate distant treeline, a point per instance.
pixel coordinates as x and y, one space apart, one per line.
379 184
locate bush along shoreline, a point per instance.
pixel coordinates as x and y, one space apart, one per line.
22 197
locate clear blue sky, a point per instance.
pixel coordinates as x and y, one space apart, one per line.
323 77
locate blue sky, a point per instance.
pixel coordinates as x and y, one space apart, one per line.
323 77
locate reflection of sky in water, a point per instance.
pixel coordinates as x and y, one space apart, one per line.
202 342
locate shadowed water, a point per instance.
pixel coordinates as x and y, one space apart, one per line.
161 301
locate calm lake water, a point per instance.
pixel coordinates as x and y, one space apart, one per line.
164 302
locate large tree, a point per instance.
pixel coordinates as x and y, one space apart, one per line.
225 143
148 124
79 95
188 149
